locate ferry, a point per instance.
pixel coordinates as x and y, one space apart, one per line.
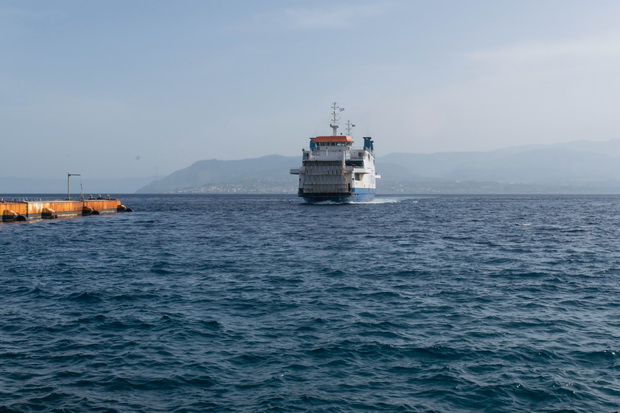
332 170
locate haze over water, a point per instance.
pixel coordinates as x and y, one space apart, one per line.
261 303
141 89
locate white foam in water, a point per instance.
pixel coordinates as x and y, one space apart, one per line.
395 199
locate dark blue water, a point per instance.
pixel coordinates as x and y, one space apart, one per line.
263 304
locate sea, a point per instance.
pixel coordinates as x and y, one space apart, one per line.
261 303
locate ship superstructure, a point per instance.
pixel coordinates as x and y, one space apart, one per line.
332 170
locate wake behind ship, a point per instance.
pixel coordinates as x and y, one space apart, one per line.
333 171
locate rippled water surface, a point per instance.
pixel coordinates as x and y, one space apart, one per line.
264 304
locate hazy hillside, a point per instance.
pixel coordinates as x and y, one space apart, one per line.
543 166
610 148
575 167
268 174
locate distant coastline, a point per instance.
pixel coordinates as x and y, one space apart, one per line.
572 168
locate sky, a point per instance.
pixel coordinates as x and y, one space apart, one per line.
141 88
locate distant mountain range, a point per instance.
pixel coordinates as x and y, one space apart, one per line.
268 174
575 167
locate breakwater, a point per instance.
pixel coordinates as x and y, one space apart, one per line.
26 210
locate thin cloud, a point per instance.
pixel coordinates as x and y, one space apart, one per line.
333 18
551 91
591 47
522 93
305 18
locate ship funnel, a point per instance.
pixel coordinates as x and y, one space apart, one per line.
368 144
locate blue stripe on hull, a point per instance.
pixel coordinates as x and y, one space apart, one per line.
356 195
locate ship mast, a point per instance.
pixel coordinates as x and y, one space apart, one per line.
349 127
335 119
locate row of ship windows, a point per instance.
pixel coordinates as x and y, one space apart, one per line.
334 144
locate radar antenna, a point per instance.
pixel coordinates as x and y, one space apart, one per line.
335 118
349 127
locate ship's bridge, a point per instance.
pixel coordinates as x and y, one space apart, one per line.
331 141
329 148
